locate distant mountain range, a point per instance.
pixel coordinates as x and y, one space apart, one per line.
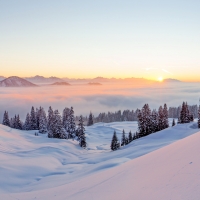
15 81
43 80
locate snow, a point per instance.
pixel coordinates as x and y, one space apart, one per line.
36 167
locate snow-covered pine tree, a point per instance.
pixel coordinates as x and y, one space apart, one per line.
81 133
6 120
154 117
42 121
187 114
130 137
65 118
49 118
90 120
26 125
123 141
56 129
33 122
115 142
161 124
165 115
18 123
15 121
72 126
141 124
173 123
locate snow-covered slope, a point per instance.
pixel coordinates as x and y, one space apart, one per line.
35 167
15 81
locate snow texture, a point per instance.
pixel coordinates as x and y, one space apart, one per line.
36 167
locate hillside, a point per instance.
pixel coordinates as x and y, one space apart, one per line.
15 81
35 167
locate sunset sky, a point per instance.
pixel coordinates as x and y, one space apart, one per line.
109 38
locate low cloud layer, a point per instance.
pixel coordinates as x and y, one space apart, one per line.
96 99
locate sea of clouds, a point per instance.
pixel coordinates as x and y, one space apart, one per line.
96 98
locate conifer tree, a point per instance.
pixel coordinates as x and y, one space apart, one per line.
90 120
130 137
81 133
56 129
72 126
49 118
33 122
15 122
161 122
26 125
42 121
114 143
18 123
65 118
165 115
6 120
154 118
123 141
173 123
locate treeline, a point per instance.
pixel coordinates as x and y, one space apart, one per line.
131 115
55 125
153 121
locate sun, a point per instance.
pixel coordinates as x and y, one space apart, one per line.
160 78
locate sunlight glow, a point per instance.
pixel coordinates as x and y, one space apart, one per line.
160 79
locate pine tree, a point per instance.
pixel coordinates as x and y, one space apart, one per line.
72 126
90 120
42 121
6 120
33 122
18 123
65 118
130 137
26 125
161 122
56 129
49 118
15 122
165 115
123 141
187 114
114 143
173 123
81 133
154 117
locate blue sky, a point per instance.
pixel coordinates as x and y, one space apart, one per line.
100 38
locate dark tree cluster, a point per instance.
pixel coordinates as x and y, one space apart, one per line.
126 115
115 144
57 126
174 112
185 115
152 121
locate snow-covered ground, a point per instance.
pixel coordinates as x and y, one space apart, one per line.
36 167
